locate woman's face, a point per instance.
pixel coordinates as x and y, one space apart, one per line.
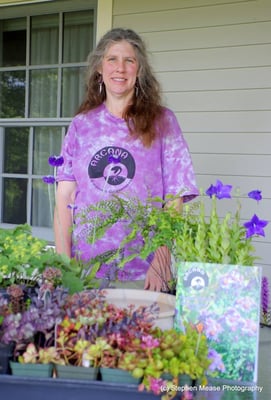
119 70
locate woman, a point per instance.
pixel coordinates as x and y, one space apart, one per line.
122 140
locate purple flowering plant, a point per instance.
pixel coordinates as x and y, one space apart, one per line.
72 270
216 239
55 162
35 322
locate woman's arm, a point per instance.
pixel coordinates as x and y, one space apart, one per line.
63 216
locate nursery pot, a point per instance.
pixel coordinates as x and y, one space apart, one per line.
35 370
74 372
166 302
6 352
183 379
118 376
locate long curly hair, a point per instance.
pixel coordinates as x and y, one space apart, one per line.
143 115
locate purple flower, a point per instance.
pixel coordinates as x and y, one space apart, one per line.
217 363
156 384
255 226
249 327
148 342
245 303
255 195
55 161
265 294
113 160
212 328
49 179
232 319
219 190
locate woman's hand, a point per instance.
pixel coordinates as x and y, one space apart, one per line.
159 272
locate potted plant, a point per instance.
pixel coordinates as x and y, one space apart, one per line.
23 259
36 321
190 236
34 361
13 301
200 240
159 358
124 359
176 359
78 358
88 328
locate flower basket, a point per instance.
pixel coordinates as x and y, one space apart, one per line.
35 370
74 372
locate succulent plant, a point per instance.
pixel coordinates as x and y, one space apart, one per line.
36 322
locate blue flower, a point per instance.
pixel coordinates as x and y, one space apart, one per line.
255 226
49 179
55 161
255 195
219 190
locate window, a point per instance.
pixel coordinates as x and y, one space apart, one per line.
42 64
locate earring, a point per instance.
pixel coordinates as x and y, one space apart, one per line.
136 87
100 83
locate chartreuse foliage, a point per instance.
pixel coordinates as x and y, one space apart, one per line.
23 259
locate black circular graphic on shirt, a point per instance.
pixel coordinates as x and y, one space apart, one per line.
111 169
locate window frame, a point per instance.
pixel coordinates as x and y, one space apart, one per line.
28 11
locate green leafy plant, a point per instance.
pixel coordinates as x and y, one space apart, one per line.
23 259
193 235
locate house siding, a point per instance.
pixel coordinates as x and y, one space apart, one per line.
213 59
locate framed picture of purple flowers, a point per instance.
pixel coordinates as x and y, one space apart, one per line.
225 299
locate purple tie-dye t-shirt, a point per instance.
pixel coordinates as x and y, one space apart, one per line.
100 156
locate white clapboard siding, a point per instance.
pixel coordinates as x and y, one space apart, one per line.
230 143
235 165
231 121
211 36
220 79
149 6
213 59
220 100
214 14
